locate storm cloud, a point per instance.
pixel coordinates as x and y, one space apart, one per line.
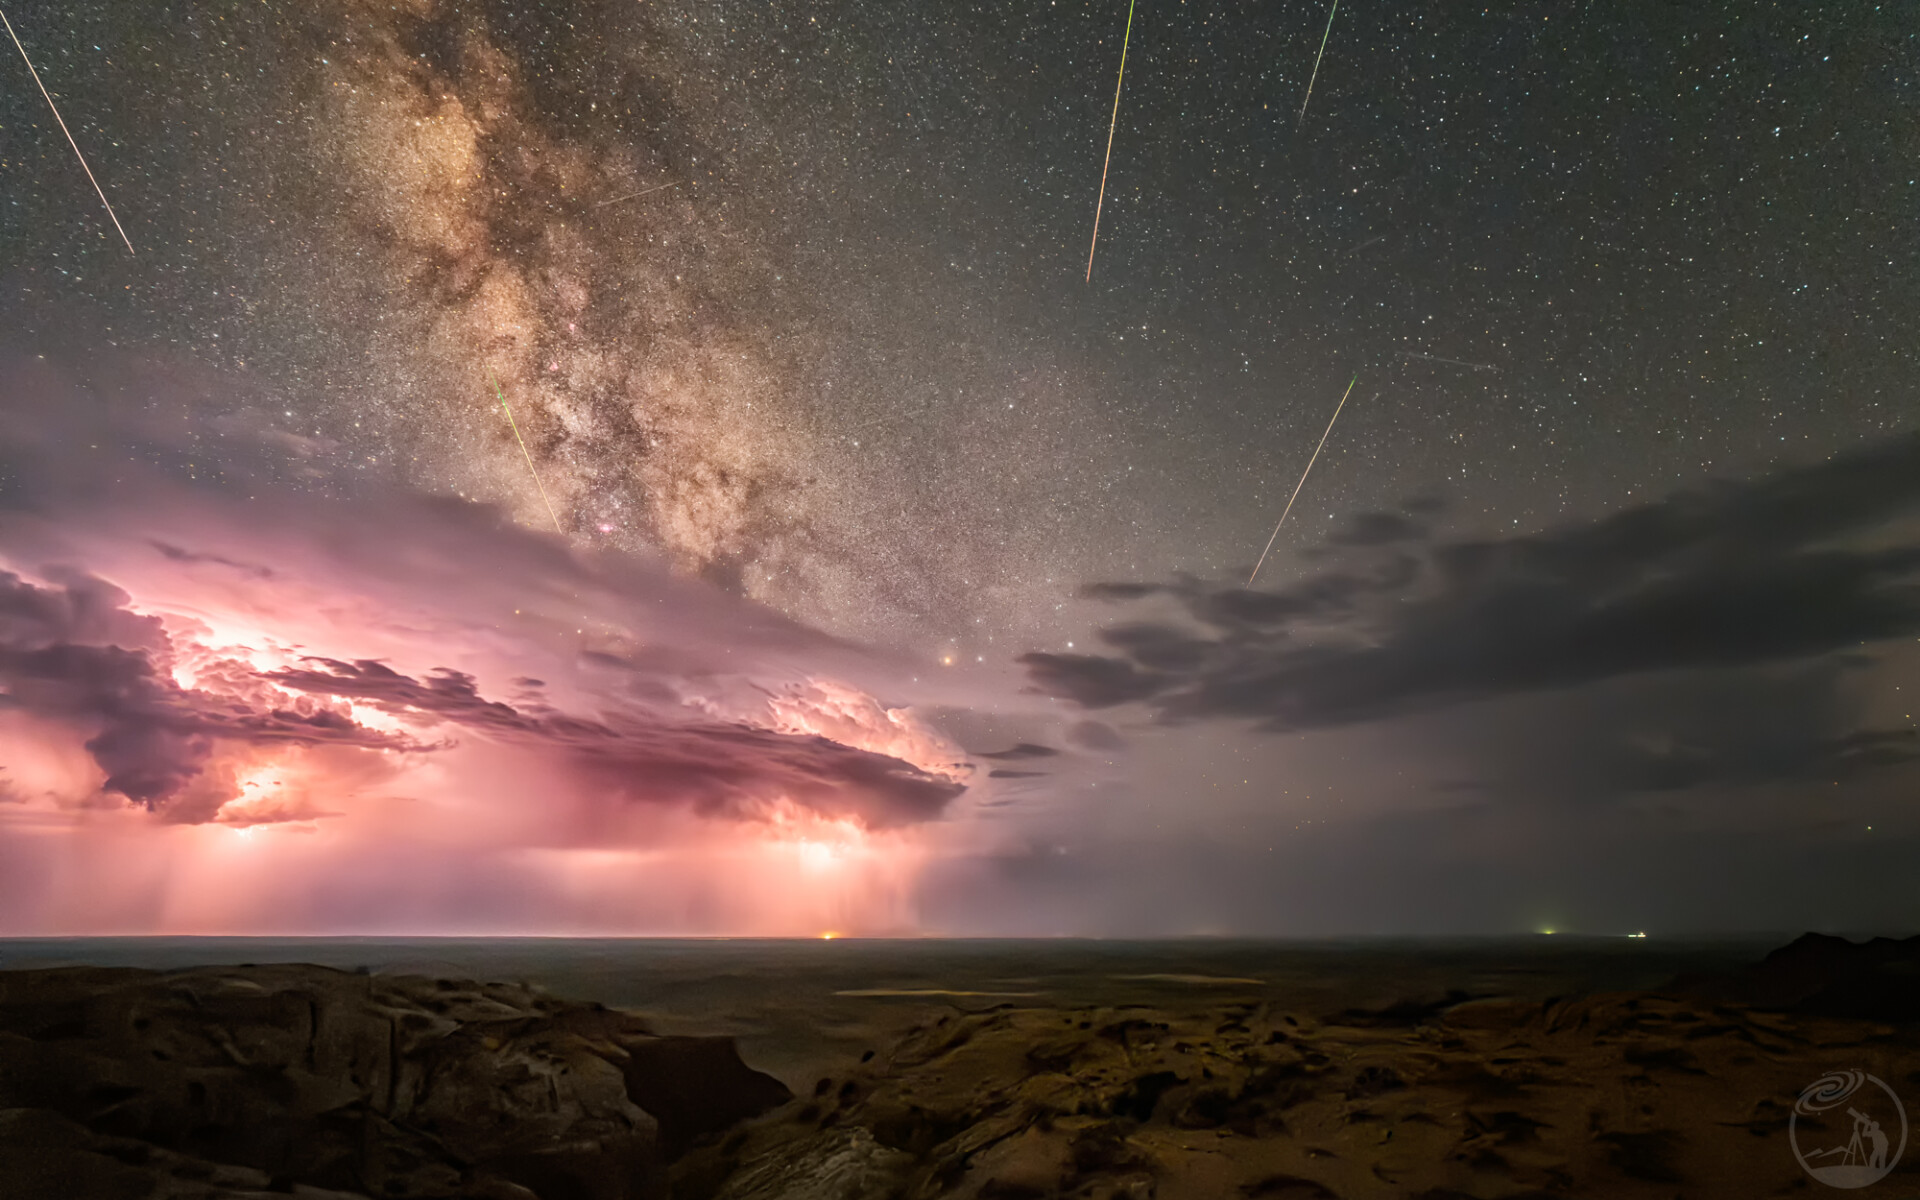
74 652
1810 561
210 640
718 769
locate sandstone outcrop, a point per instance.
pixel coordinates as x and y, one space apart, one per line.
301 1080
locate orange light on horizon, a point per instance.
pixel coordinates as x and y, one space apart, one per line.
828 936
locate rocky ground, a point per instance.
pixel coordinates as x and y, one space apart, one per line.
1619 1096
311 1082
1683 1093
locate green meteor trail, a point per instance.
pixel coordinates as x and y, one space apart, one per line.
1111 126
1316 58
513 425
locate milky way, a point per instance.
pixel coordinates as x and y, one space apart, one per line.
842 363
480 194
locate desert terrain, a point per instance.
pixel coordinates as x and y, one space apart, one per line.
997 1072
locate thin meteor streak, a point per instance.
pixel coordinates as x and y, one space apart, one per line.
513 425
1111 126
65 130
1452 362
636 195
1318 57
1303 478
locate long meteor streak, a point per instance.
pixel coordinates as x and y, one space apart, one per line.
65 130
513 425
1111 126
1318 57
1303 478
636 195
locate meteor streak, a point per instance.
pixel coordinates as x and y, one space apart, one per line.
1452 362
1318 57
1303 477
636 195
1111 125
65 130
511 424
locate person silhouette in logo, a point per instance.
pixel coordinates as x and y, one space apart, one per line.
1876 1137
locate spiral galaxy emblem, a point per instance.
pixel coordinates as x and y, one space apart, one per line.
1842 1129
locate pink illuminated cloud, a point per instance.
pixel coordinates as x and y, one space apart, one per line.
251 707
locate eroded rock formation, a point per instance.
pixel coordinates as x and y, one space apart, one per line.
301 1080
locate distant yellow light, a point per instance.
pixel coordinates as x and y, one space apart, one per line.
827 937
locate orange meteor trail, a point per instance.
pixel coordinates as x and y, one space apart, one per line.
1303 478
65 130
1111 125
511 424
1318 57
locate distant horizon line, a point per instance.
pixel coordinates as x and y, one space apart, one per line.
1508 935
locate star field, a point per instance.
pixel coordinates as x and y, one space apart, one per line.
848 364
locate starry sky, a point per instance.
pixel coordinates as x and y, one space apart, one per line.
790 301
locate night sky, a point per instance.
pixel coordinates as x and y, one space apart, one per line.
1598 611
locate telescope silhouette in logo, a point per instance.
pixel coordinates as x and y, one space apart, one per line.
1868 1153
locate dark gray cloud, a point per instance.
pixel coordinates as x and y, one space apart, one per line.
1674 766
1093 681
1801 724
72 653
1095 735
1810 561
1022 750
177 554
1378 529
